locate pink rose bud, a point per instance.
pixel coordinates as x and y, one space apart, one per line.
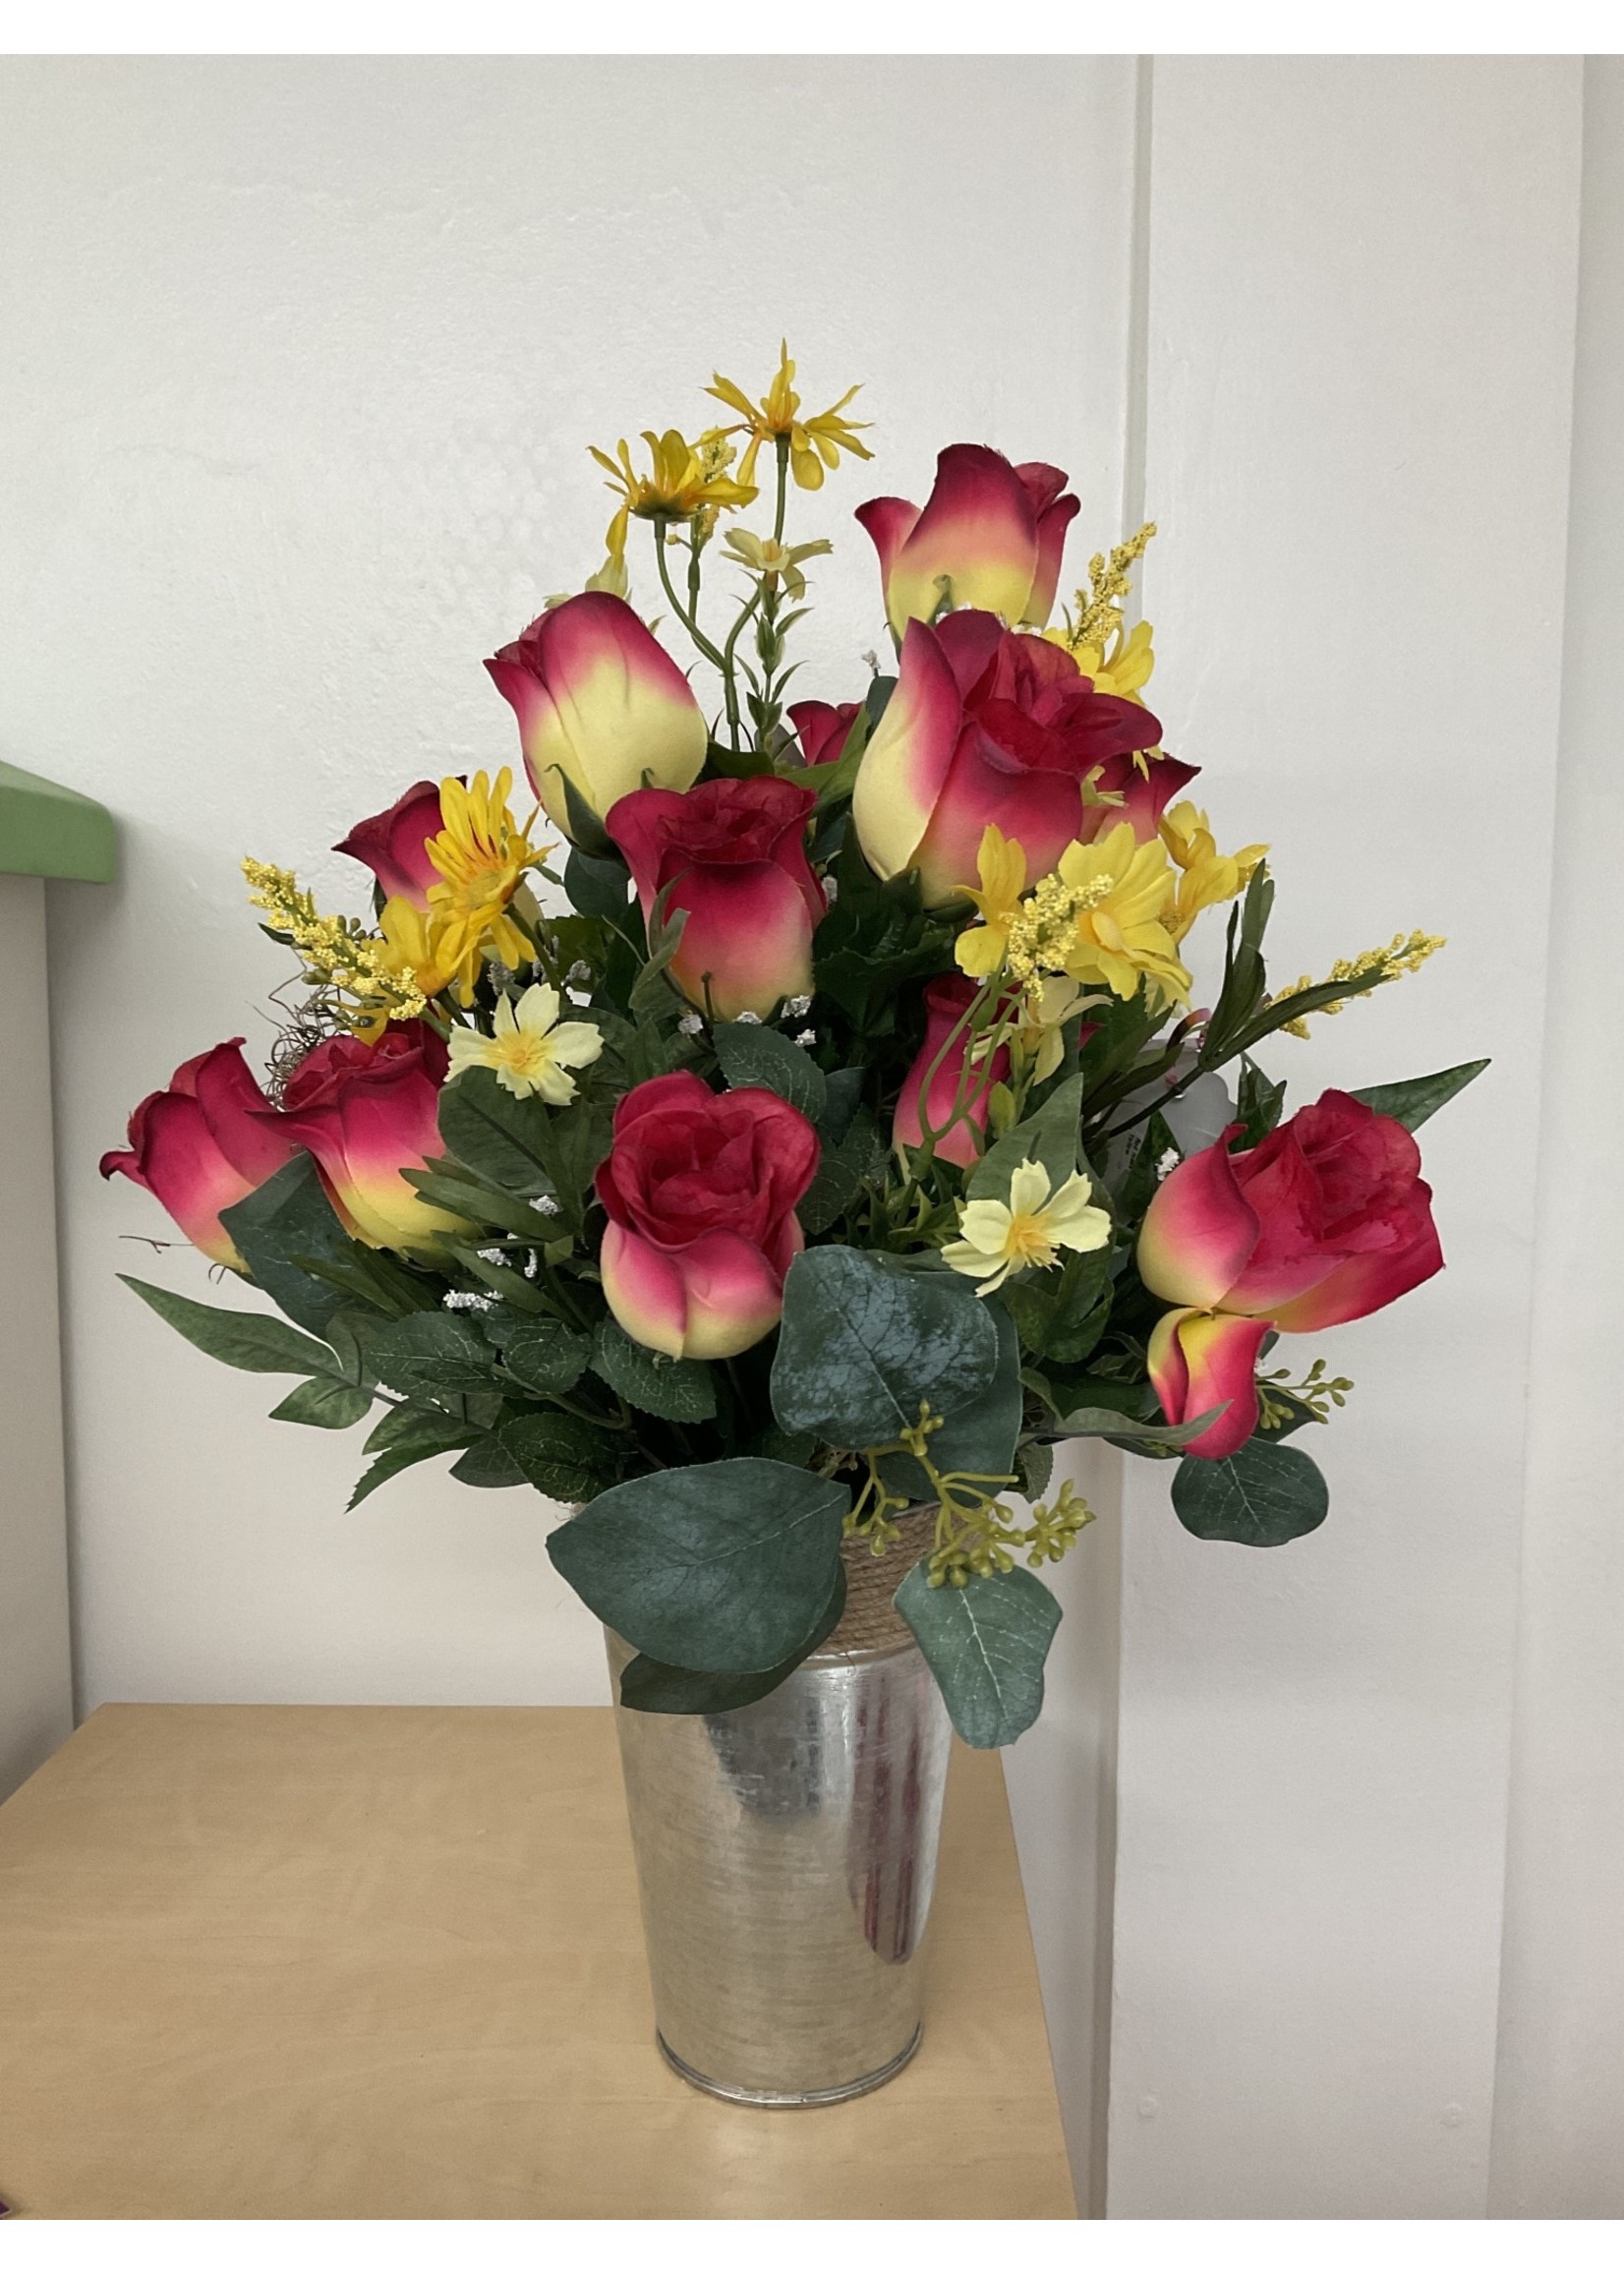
700 1191
735 855
1325 1221
600 704
395 844
821 728
365 1111
995 532
204 1144
1201 1359
990 726
946 1001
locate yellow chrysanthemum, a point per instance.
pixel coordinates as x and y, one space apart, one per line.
1000 1239
1121 668
1208 877
409 945
1102 916
1001 862
530 1051
684 479
814 443
481 855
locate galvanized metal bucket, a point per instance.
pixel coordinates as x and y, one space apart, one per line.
785 1860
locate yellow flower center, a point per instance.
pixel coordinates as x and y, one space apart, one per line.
1027 1241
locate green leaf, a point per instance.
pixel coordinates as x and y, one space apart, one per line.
423 1430
985 1643
405 1455
433 1357
499 1137
1063 1311
598 885
843 1171
247 1339
505 1277
1246 977
585 826
761 1058
489 1465
561 1455
677 1389
1259 1103
1262 1496
323 1405
977 1438
861 1345
649 1687
289 1217
726 1567
451 1185
1415 1101
546 1355
842 1095
652 991
1138 1184
1036 1465
1049 1135
573 1143
1123 1429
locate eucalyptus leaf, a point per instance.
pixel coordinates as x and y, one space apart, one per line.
649 1687
1262 1496
976 1440
862 1346
725 1567
985 1642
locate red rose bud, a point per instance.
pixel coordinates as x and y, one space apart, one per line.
995 532
990 726
395 844
204 1144
822 729
365 1111
600 703
1325 1221
946 1001
734 854
1201 1359
700 1191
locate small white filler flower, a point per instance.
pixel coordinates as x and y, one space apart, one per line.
1001 1240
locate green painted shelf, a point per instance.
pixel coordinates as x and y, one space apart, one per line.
48 831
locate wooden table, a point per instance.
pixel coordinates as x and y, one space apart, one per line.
306 1961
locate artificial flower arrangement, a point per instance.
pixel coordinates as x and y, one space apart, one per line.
830 1132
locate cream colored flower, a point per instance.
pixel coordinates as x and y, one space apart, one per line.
1001 1240
767 558
529 1051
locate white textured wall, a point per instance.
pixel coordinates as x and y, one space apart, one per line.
1559 2115
1360 360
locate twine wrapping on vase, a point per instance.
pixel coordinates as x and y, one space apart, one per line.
869 1621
